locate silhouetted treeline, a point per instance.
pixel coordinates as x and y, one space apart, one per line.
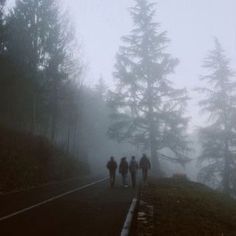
41 89
40 71
40 86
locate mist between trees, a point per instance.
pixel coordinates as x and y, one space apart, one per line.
42 94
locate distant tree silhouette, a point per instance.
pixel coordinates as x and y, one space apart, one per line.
219 136
2 26
147 109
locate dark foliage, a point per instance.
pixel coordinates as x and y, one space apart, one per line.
28 160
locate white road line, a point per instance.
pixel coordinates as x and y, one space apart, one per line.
50 200
36 187
127 225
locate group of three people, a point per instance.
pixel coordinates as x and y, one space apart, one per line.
125 167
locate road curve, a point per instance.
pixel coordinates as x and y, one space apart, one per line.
95 210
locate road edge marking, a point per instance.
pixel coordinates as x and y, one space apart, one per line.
129 218
50 200
4 194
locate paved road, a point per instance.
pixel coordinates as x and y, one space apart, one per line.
96 210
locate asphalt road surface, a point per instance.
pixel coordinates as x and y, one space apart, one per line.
95 210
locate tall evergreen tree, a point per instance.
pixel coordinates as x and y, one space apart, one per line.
2 25
42 56
60 68
33 21
148 110
218 138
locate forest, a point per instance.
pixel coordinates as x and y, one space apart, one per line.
54 125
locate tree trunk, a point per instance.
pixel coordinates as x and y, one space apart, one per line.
156 169
68 141
54 108
226 174
34 110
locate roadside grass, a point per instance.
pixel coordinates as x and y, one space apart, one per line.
184 208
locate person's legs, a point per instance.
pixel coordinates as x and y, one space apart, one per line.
125 183
131 175
133 179
123 179
145 175
112 178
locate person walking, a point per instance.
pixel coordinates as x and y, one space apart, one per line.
123 170
112 166
133 167
145 165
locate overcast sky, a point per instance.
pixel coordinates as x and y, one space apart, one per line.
191 26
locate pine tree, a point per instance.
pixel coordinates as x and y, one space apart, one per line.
148 110
2 26
218 138
60 67
33 21
43 56
101 88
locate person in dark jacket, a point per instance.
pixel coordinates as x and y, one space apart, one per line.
123 170
112 166
145 165
133 167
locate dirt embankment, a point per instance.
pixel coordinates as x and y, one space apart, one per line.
183 208
27 160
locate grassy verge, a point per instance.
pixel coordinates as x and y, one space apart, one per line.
183 208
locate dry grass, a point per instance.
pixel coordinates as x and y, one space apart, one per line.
184 208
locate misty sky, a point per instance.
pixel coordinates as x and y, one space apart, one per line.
191 26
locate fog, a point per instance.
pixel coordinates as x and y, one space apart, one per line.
191 27
99 78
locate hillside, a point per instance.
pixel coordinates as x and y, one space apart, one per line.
183 208
27 160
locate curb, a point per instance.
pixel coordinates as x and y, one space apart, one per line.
129 218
